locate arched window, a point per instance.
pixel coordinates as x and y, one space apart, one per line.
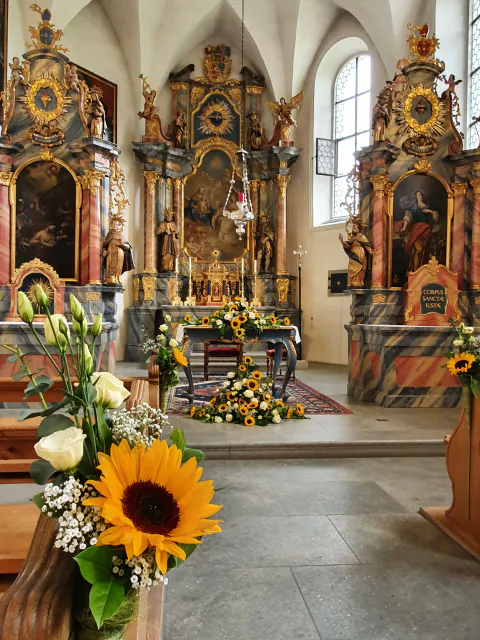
473 137
352 119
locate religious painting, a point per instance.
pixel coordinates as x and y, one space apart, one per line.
216 116
108 98
46 218
3 42
205 226
420 211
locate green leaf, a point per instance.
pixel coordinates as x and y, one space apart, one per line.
86 466
73 397
105 600
42 384
34 413
192 453
96 563
12 358
104 431
41 471
174 562
91 394
178 438
52 424
19 375
39 500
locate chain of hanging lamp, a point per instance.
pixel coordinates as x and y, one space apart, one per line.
244 212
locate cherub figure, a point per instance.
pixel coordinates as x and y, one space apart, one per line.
71 77
451 91
20 73
282 114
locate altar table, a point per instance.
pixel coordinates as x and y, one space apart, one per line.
281 337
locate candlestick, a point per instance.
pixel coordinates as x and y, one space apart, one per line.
176 265
191 300
255 266
177 301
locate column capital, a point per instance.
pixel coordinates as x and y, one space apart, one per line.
91 179
381 184
459 188
151 178
282 181
475 184
5 178
177 183
254 185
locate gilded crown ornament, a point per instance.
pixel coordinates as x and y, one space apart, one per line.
45 36
423 47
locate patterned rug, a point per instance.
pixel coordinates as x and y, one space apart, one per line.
315 403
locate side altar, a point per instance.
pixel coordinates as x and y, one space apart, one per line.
195 172
61 196
414 244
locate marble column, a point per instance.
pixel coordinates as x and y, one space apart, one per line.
379 231
254 187
5 238
91 249
150 245
475 246
281 248
457 263
178 206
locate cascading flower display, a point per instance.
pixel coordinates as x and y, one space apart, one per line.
464 359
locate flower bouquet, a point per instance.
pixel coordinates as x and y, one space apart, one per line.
246 398
168 356
235 318
129 507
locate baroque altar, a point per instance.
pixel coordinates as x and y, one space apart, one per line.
61 195
193 174
414 245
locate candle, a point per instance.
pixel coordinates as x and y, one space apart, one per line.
190 264
240 196
243 265
176 264
255 266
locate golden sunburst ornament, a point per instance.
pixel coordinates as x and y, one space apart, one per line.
153 501
216 118
46 286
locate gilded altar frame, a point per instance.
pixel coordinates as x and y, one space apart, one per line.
201 149
13 210
418 170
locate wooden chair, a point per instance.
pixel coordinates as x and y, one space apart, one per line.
271 360
215 351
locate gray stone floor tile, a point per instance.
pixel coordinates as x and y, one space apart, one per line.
18 493
306 471
378 602
247 498
239 604
273 542
334 497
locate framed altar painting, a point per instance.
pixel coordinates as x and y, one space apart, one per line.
205 226
46 199
3 41
420 214
109 99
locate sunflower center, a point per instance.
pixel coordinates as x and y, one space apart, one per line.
151 508
461 363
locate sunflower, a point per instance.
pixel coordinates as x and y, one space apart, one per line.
192 412
242 318
253 404
237 298
257 375
235 324
243 411
252 384
230 396
248 360
215 314
212 401
289 412
179 357
267 396
222 407
299 409
460 364
187 318
249 421
153 501
234 307
201 413
242 368
279 403
286 321
242 401
273 320
205 321
239 333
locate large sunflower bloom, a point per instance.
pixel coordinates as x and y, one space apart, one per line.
252 384
239 333
205 321
460 364
235 324
153 501
248 360
242 319
257 375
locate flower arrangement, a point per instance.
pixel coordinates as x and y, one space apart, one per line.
129 507
246 398
235 318
464 363
168 357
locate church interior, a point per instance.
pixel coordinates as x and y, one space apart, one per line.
244 238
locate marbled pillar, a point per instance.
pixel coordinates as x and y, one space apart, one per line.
150 247
281 264
457 263
178 206
5 250
91 249
475 247
254 186
379 231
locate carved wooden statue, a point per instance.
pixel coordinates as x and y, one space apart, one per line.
117 253
153 124
282 114
255 131
97 113
357 247
168 243
381 117
180 131
265 243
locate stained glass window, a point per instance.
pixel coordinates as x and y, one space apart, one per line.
352 117
473 136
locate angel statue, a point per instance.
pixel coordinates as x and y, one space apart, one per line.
153 124
118 254
282 116
357 247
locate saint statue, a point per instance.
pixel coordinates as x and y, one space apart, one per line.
168 243
282 115
153 125
416 229
255 131
381 117
118 254
97 113
265 237
180 131
357 247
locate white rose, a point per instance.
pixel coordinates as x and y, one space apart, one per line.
276 419
160 339
260 417
110 390
248 393
173 343
49 332
234 393
468 330
235 406
264 405
163 328
168 318
458 342
229 417
228 316
63 449
231 374
238 385
275 412
251 315
218 419
219 323
472 339
226 383
263 321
